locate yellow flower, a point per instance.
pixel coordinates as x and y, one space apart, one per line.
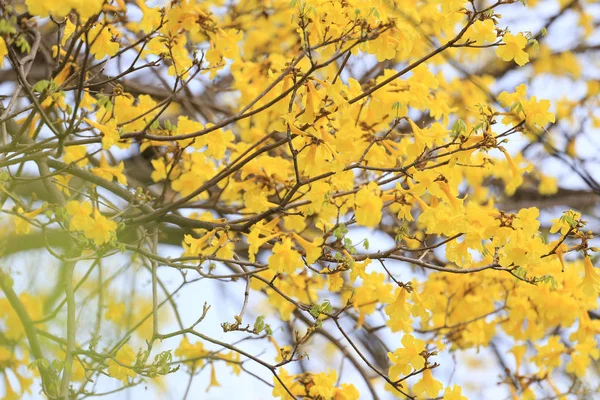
3 51
279 390
125 356
482 31
591 281
399 314
115 311
13 327
334 281
188 351
513 49
346 392
548 185
507 100
563 224
454 393
254 239
85 8
197 169
216 142
368 205
516 172
100 230
110 133
213 378
284 258
427 385
415 149
422 306
151 18
70 28
312 249
518 352
585 351
560 253
449 195
109 172
324 385
44 8
76 154
536 113
406 359
311 105
80 215
295 223
549 356
22 225
232 359
160 170
102 45
527 220
62 182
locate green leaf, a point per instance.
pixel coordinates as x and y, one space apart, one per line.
314 311
41 86
534 44
459 127
39 363
401 233
6 28
104 101
318 309
326 307
340 231
259 324
396 107
23 44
